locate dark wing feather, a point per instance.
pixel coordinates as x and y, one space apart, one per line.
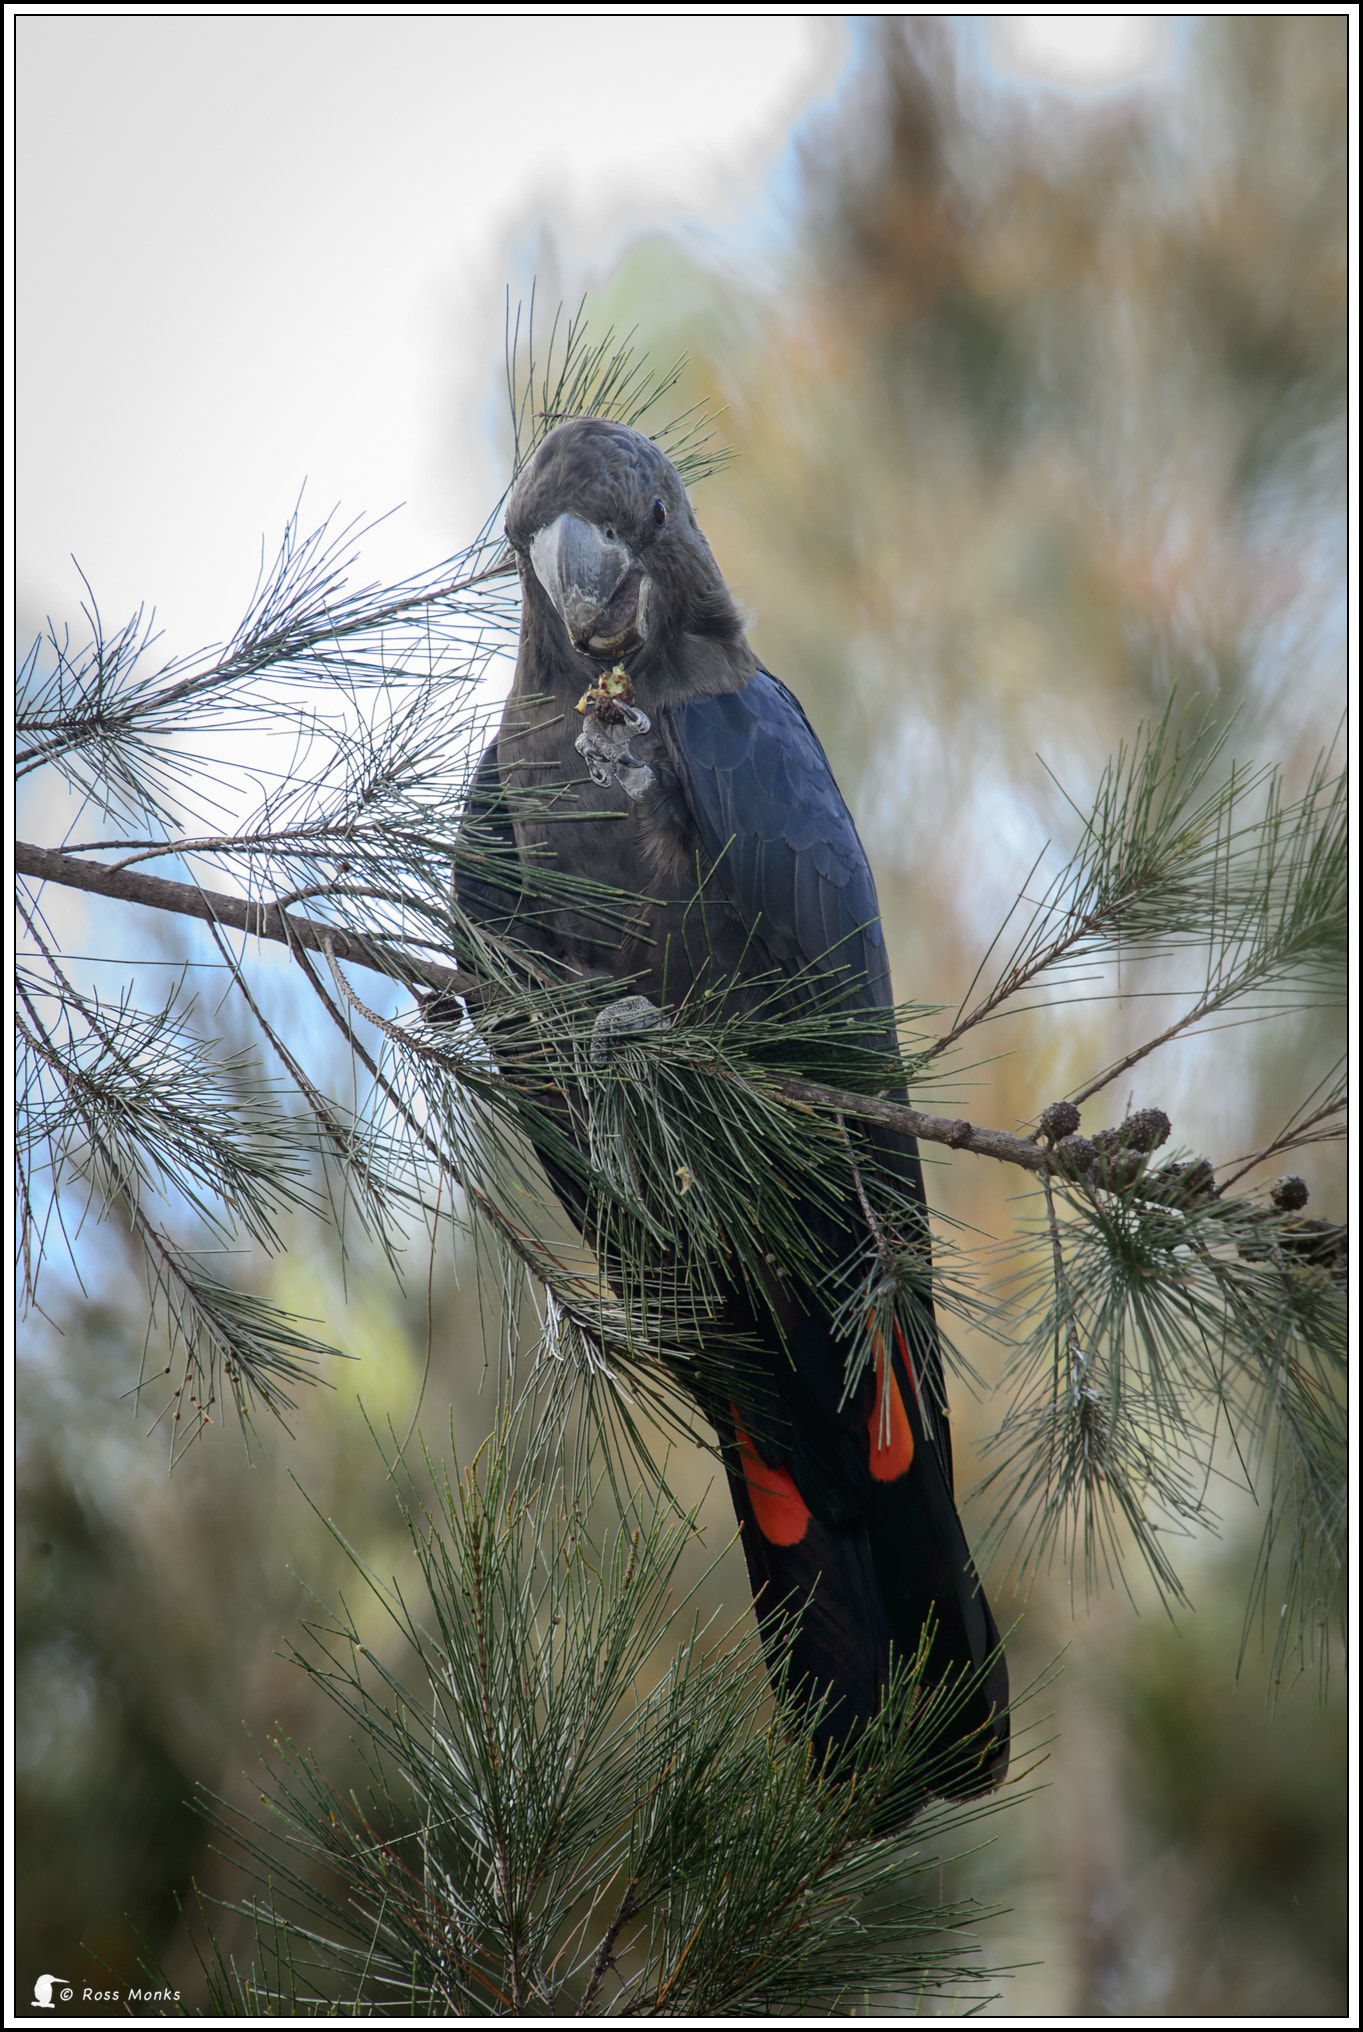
773 821
881 1559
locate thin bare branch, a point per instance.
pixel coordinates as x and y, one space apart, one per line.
237 913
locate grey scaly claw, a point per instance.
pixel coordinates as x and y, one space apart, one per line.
623 1019
604 746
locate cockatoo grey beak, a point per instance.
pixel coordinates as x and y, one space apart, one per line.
597 587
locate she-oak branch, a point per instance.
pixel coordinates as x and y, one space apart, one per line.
267 920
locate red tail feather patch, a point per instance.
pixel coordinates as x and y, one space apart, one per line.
892 1448
781 1511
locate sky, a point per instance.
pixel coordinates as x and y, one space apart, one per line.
258 254
254 252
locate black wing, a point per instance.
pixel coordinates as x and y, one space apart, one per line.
787 856
789 860
774 823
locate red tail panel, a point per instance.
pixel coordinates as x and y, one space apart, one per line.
888 1425
780 1510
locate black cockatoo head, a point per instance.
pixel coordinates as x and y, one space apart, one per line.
611 556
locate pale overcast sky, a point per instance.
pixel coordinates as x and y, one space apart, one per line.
253 251
256 250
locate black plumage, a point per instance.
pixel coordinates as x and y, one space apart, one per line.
705 795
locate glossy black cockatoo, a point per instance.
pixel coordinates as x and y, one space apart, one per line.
646 747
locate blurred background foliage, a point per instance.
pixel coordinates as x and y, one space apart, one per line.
1042 415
